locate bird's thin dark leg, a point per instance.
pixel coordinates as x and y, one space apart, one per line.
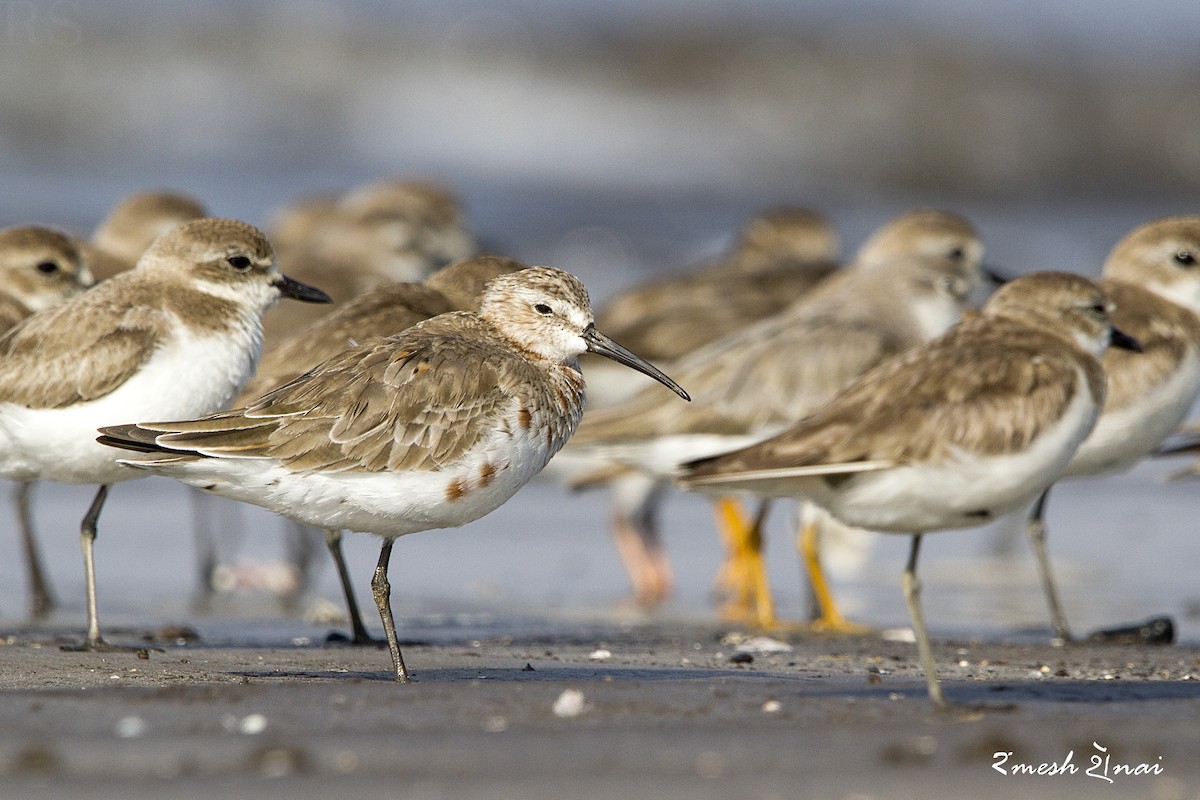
333 541
41 599
382 591
1035 529
87 540
204 538
912 596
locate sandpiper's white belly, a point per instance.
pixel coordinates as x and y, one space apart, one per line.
390 504
187 377
1123 437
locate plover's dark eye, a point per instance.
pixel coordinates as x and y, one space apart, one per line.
1100 309
47 267
542 308
1185 257
240 263
956 254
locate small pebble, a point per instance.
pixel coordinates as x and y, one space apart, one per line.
570 704
252 724
761 645
772 707
600 655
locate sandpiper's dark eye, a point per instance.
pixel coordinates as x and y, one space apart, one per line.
240 263
47 267
1100 309
542 308
1185 257
956 254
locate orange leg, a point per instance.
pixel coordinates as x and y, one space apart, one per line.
645 563
743 576
732 581
831 619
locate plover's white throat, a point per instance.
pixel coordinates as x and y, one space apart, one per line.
39 268
1153 277
179 334
951 434
431 428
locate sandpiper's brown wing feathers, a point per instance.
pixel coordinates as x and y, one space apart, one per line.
77 351
416 401
923 404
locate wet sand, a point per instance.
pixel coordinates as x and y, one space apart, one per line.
666 711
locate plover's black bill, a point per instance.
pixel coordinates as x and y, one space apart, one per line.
290 287
1123 340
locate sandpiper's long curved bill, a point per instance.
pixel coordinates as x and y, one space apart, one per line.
601 345
290 287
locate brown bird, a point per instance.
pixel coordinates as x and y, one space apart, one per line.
950 434
386 311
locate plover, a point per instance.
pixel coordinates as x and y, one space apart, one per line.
910 282
431 428
177 335
1153 277
39 268
951 434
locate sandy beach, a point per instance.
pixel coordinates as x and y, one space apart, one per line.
663 709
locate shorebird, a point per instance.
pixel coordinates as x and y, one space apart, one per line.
39 268
114 246
910 282
1153 277
952 434
432 428
132 224
382 312
177 335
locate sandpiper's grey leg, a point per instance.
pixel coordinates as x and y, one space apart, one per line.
382 591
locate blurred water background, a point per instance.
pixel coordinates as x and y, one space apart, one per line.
615 140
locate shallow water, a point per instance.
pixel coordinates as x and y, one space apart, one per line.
1124 549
